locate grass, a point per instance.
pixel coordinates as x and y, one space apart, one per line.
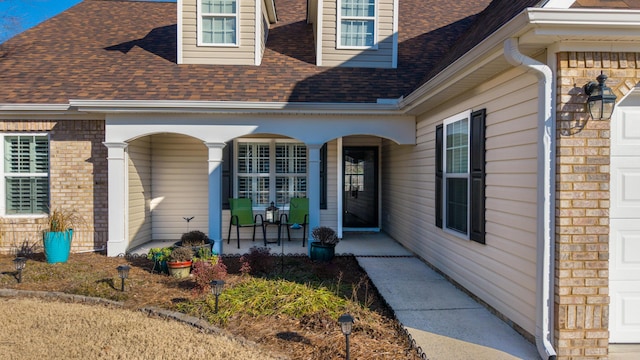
289 306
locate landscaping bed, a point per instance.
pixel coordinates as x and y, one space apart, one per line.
289 305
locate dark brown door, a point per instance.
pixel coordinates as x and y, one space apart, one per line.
360 198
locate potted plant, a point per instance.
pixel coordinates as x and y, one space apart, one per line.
195 239
58 235
160 257
179 262
324 243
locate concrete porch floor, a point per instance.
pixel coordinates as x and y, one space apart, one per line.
444 321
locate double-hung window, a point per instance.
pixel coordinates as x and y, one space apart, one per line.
271 170
218 22
357 24
460 175
26 174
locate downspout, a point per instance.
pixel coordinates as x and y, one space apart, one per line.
546 177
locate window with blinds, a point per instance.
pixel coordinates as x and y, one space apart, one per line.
271 171
26 174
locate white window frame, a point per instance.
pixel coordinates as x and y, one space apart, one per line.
3 185
466 115
373 18
272 168
201 15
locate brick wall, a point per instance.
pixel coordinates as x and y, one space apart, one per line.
78 181
582 206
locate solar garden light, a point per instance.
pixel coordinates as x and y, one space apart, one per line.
123 273
346 325
216 290
19 262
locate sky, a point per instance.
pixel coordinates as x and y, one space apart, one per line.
29 13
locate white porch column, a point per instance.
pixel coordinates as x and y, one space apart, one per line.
117 165
314 189
215 196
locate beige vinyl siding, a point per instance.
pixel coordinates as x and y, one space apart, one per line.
264 31
219 55
180 181
382 57
139 154
502 272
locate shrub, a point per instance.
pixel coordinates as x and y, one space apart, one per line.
206 271
194 238
181 254
258 260
325 235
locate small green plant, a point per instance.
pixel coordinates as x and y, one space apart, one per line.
181 254
159 254
194 238
325 235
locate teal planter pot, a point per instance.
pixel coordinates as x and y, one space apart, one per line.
321 252
57 245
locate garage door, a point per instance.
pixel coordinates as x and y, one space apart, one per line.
624 261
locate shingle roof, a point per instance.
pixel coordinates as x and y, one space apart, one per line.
122 50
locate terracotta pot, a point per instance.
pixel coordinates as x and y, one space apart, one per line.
179 269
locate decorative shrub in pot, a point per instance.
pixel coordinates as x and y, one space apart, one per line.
324 243
160 257
179 262
59 234
195 239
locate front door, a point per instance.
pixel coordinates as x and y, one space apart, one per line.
360 198
624 240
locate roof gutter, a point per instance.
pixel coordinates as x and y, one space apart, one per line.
546 175
381 108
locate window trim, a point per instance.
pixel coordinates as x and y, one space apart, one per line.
373 18
272 169
465 115
3 175
199 26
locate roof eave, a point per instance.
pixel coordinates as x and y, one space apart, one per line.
536 29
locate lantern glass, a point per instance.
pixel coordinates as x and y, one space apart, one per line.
601 100
216 287
271 213
346 323
20 262
123 271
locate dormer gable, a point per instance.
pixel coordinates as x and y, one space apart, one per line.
223 32
355 33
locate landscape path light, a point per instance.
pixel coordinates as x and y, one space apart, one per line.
123 273
19 262
346 325
216 290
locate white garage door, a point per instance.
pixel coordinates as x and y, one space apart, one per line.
624 261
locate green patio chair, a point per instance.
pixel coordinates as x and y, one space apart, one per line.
297 218
242 216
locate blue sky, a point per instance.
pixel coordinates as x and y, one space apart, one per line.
29 13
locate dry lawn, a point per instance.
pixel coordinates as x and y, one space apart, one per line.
38 329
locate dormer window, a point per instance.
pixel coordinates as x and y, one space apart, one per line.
218 22
357 24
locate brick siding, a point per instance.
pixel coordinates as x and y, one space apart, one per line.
582 205
78 181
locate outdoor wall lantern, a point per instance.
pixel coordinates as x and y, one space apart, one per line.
123 273
601 99
271 213
216 290
346 325
19 262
